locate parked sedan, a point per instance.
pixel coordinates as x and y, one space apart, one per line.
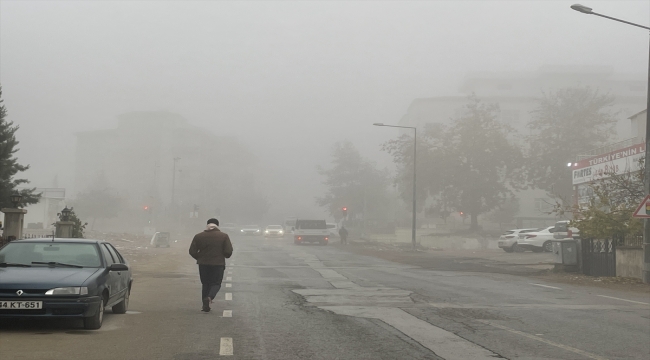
251 230
63 278
537 241
508 240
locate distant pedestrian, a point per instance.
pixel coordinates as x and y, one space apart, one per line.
211 248
343 233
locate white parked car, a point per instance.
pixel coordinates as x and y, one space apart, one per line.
508 240
537 241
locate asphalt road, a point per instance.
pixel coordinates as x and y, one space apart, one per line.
314 302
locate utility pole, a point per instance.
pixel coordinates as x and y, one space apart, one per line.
174 181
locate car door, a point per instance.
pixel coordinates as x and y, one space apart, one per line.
112 278
125 276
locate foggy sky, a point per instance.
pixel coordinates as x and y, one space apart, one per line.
288 79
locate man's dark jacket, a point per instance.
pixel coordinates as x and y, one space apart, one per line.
211 247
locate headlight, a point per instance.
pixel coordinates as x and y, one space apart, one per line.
281 232
266 231
242 230
258 230
68 291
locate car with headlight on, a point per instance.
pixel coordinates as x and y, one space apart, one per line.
508 240
56 278
274 231
251 230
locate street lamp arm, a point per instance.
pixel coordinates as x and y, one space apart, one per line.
396 126
589 11
623 21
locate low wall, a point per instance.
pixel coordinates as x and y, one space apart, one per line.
629 261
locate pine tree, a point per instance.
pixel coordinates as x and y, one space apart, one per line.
9 165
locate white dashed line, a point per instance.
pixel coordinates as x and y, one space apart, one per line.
227 313
226 347
615 298
228 278
229 285
546 286
229 272
228 296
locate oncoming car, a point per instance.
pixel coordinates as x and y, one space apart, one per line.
251 230
63 278
274 231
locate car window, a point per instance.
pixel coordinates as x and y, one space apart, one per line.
107 255
116 254
311 224
527 231
274 227
508 232
331 226
67 253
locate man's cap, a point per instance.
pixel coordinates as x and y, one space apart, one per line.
213 221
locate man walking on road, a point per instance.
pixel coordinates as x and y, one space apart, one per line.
211 248
343 233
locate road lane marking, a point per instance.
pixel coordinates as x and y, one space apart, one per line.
533 337
546 286
228 278
228 296
229 285
229 272
226 347
615 298
227 313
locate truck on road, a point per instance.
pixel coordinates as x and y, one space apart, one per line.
311 231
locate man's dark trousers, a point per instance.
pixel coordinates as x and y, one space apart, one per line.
211 277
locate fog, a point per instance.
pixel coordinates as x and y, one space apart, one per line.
285 79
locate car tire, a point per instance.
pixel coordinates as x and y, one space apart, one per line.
548 246
510 249
95 322
123 306
517 248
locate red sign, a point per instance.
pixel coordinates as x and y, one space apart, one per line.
643 211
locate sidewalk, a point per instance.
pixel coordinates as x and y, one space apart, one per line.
535 265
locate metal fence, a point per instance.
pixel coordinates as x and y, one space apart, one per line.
599 257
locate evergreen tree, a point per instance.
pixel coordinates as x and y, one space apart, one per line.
9 165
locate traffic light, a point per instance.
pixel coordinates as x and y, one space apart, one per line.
146 207
345 211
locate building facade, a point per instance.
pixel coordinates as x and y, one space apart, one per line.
158 162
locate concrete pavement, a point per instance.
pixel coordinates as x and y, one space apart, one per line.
282 301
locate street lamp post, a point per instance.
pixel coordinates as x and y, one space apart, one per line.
415 139
646 176
174 179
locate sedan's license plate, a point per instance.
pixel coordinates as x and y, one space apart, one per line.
21 305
